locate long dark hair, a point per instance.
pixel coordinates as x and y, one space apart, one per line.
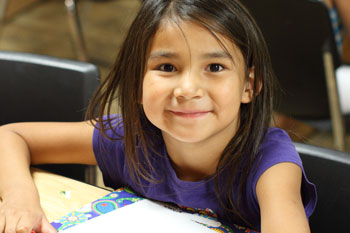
124 86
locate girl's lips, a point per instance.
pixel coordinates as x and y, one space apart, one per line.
189 114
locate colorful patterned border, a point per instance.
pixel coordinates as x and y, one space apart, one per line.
122 197
112 201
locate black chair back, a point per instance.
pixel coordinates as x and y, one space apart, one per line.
329 170
297 33
42 88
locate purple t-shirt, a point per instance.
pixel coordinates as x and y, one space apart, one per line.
276 148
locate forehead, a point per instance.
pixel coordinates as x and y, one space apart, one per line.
178 33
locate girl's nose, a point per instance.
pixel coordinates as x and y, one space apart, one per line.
188 87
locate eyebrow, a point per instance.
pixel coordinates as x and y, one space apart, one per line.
220 54
163 54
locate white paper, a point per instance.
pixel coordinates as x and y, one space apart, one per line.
144 216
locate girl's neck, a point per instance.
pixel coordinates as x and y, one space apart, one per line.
194 161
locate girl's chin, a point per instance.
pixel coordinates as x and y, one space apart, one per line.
186 138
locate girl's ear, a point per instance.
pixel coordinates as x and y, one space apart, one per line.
248 92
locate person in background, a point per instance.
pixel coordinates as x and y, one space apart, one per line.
339 11
194 83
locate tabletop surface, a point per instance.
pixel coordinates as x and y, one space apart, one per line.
60 195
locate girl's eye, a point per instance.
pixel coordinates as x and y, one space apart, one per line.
215 67
167 68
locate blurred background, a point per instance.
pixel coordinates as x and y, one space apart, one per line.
43 27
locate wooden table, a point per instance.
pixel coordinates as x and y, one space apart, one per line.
56 204
53 191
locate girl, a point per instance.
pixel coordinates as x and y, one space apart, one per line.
194 83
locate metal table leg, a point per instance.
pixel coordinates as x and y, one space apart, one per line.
76 30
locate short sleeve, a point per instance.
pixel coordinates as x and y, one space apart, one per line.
110 154
278 148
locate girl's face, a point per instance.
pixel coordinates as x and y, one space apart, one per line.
192 88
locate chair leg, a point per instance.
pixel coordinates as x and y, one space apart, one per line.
76 31
3 8
338 125
90 175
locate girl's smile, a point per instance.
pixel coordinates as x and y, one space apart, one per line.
189 113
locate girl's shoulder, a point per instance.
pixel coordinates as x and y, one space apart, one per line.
277 147
277 139
108 136
277 133
112 125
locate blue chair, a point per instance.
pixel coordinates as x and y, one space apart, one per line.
329 170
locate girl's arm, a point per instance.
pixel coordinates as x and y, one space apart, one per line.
279 197
22 144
